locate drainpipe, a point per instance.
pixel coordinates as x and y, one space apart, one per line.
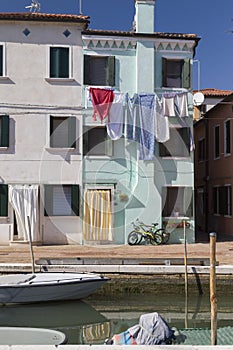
207 177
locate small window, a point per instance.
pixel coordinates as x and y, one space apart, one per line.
1 61
176 73
222 200
4 131
96 142
3 200
62 132
177 201
59 62
216 142
99 70
227 137
61 200
178 145
201 150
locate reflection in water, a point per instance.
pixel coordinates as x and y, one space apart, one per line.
99 317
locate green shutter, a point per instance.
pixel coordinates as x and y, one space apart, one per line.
54 62
64 62
164 72
75 199
72 132
48 200
5 131
1 60
111 71
87 78
3 200
186 74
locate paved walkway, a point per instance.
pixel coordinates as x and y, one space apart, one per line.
21 253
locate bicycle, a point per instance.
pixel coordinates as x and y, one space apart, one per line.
143 232
155 235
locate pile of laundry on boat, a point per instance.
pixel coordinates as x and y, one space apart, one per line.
151 330
143 118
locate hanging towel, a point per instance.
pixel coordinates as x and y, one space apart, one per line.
115 122
132 127
102 100
181 104
146 117
162 131
168 103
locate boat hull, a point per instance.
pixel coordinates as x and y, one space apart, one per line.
44 287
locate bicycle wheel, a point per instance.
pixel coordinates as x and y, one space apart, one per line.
133 238
164 234
156 240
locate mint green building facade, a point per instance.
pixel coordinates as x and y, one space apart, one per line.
156 190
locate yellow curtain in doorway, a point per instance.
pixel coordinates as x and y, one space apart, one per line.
97 215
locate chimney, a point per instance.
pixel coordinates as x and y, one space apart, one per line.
144 16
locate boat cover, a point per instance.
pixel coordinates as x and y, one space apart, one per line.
151 330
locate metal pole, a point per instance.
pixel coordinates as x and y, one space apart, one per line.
30 243
213 297
186 276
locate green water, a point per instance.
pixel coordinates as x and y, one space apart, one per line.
100 316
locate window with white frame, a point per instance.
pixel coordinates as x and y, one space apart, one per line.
61 200
216 142
4 131
62 132
99 70
227 137
176 73
177 201
59 62
96 142
178 145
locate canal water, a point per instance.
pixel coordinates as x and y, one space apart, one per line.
98 317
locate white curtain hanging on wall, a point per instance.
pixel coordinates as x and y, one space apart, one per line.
24 200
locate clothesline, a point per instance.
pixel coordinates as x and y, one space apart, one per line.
146 116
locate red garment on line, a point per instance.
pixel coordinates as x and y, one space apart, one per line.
102 101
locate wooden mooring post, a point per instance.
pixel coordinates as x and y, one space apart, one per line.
213 297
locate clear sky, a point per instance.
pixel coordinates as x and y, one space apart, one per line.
210 20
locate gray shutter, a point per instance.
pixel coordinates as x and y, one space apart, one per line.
72 132
48 200
111 71
75 199
186 74
3 200
164 72
5 131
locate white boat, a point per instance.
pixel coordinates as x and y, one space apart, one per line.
30 336
48 286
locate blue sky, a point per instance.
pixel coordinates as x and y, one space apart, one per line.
210 20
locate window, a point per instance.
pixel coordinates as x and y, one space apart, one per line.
201 150
4 131
3 200
99 70
1 60
62 132
227 137
59 62
176 73
216 142
177 201
222 200
178 145
61 200
96 142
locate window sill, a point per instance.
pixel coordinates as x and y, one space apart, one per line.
59 149
3 148
59 80
4 78
176 157
97 157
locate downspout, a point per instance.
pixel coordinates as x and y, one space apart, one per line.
207 178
